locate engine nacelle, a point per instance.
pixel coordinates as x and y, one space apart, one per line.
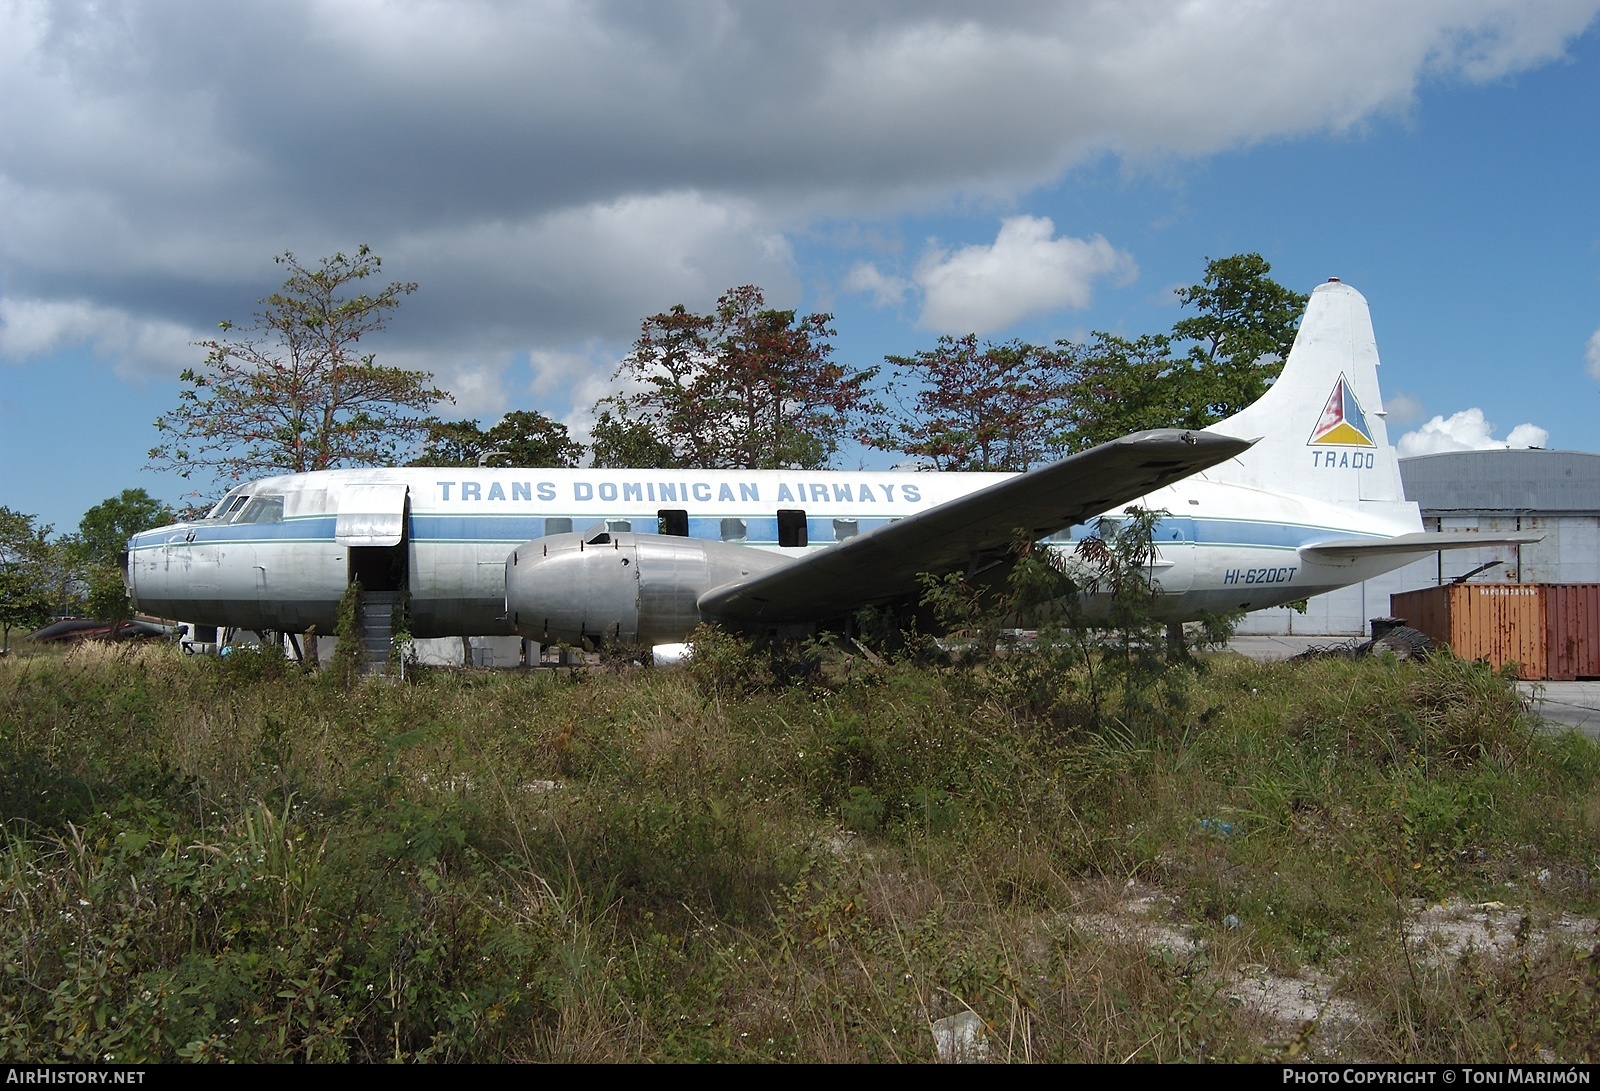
625 588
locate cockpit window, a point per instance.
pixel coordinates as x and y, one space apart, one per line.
229 502
227 513
262 509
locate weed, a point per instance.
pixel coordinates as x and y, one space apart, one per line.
808 855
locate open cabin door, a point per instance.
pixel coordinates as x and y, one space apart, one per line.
372 524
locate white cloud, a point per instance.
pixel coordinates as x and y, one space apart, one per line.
1402 408
1467 431
594 269
578 379
139 346
1593 355
478 385
885 290
1528 435
485 388
980 289
551 172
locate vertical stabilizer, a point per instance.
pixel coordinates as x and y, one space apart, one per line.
1321 424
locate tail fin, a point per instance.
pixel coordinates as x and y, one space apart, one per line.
1321 424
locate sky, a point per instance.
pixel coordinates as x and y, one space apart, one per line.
552 173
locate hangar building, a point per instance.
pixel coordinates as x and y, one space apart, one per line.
1557 492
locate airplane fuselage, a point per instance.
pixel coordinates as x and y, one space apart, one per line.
279 552
1297 494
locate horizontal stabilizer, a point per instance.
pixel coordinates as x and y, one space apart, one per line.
1351 550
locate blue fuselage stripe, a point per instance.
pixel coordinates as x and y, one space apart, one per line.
443 529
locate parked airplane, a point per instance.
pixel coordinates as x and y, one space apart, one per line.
1296 495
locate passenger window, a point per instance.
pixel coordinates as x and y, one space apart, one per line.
263 509
620 526
734 530
845 528
792 528
558 525
673 522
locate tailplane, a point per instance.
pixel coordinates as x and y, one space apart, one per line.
1321 425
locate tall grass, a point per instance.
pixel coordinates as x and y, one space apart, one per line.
811 859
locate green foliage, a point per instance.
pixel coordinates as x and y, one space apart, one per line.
962 407
861 810
1120 385
745 387
26 595
293 393
521 438
1117 566
23 604
349 652
1096 659
247 664
105 594
726 664
104 530
96 555
1236 344
1242 332
83 573
224 859
619 442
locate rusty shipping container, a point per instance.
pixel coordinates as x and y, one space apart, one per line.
1572 617
1500 622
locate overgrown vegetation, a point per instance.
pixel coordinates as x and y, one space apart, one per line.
810 856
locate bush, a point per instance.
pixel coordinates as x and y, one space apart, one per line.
200 860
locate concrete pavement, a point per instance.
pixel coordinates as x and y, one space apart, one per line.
1573 704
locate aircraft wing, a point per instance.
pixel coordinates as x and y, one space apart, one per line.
1351 550
882 565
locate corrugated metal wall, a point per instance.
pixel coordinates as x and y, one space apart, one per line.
1572 612
1551 631
1502 623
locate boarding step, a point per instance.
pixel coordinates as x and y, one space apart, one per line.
377 629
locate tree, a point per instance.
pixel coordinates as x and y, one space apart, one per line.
453 443
291 393
26 583
1243 332
745 387
1012 406
622 444
1120 385
995 407
104 530
96 551
521 438
1237 342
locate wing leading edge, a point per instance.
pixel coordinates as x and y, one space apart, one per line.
883 565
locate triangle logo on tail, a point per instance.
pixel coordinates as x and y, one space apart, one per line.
1343 423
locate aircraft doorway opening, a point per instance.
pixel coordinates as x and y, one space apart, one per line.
372 527
379 568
